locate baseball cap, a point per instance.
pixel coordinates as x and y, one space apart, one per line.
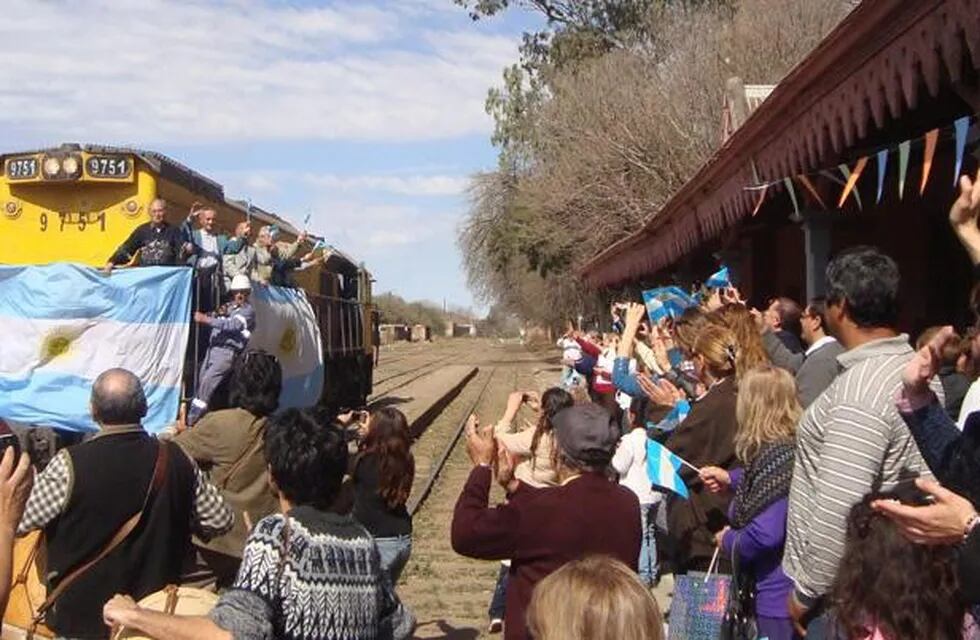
586 433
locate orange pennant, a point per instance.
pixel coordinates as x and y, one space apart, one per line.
762 198
931 138
852 180
805 181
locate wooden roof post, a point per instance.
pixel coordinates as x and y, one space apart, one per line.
816 248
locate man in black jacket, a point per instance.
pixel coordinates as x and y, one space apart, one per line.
158 242
83 497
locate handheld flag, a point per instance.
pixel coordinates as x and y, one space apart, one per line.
273 231
320 244
962 127
662 468
719 279
664 302
673 419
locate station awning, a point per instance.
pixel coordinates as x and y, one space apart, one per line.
880 63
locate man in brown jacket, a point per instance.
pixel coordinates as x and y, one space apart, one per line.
542 529
229 445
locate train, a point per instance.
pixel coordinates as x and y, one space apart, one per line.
77 203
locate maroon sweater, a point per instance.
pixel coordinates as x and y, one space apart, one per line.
542 529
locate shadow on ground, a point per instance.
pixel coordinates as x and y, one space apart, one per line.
389 401
427 630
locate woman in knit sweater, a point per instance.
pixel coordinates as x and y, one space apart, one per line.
296 560
767 413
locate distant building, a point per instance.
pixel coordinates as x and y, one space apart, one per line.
395 333
460 330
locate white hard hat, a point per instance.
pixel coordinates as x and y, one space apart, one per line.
241 283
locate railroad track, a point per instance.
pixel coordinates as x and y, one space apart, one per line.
423 368
418 500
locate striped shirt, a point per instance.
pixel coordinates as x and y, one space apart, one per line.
850 442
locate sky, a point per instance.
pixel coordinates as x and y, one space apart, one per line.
366 114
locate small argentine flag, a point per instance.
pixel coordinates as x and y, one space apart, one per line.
719 279
320 244
663 467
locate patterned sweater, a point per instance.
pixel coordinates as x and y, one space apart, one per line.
329 585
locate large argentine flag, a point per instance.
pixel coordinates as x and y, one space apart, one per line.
663 467
286 327
62 325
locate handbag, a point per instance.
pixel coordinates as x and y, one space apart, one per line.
35 624
699 604
172 600
739 621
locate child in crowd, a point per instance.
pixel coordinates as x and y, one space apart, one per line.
767 411
630 462
889 588
595 597
571 355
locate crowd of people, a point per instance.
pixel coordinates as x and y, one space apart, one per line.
296 518
823 459
813 453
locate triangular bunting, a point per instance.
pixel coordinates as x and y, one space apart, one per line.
792 195
762 198
755 172
962 125
903 166
931 139
882 169
805 181
852 178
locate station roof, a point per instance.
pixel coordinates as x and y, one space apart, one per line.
869 71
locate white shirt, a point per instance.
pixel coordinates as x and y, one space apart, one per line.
819 343
209 250
971 403
630 461
571 351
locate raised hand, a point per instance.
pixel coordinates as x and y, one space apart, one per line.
662 392
924 365
963 216
942 523
479 442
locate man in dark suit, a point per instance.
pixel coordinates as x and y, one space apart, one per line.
784 316
815 368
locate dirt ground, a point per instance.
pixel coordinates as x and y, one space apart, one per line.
449 593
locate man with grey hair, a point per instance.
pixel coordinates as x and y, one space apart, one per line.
157 242
89 491
268 252
542 529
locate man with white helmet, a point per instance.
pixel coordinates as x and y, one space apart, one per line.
229 336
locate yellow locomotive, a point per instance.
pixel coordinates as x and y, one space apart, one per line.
78 203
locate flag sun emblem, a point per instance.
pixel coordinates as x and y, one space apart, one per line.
55 344
287 343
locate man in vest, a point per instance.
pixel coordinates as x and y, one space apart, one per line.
229 337
89 491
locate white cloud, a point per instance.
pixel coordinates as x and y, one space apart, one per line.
152 71
416 185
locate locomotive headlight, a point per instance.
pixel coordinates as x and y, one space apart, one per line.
70 165
52 166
